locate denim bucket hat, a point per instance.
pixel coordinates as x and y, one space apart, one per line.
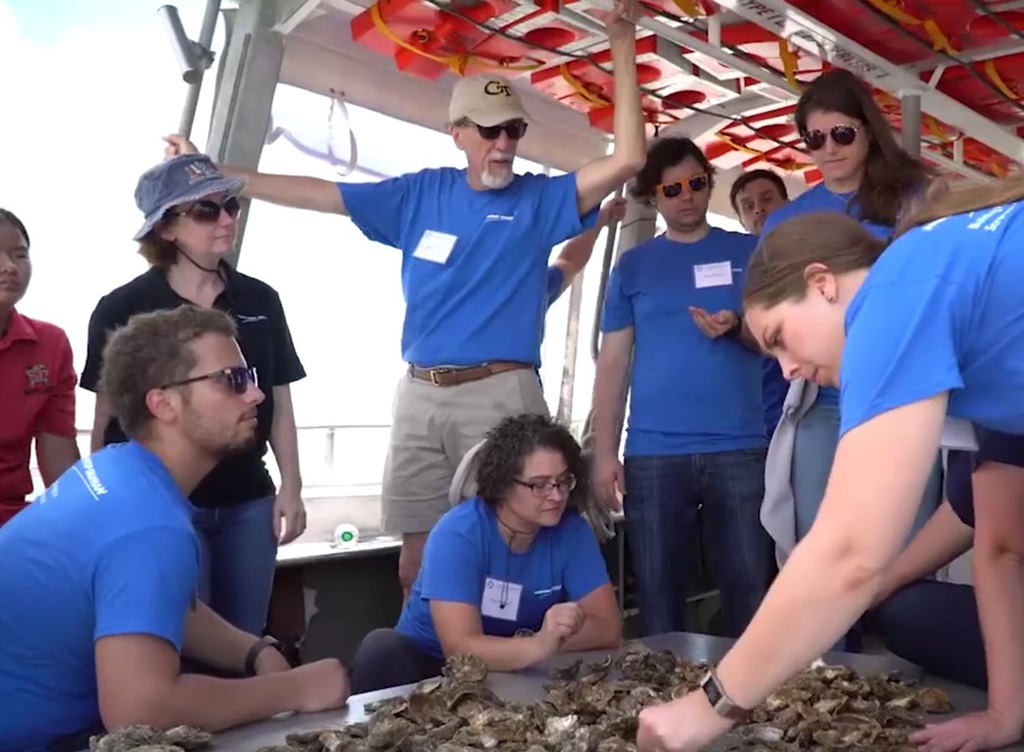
179 180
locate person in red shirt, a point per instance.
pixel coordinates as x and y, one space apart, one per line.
37 381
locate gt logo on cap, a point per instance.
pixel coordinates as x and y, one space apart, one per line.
496 88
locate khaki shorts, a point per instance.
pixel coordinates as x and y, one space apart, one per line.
432 429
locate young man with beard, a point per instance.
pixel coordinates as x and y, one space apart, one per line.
475 244
98 577
695 438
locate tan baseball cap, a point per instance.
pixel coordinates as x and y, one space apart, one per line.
485 100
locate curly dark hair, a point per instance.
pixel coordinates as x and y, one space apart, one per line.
513 440
151 350
663 154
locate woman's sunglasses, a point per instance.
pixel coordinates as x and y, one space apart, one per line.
237 379
208 211
696 184
514 129
842 135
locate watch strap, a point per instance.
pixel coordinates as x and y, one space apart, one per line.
735 329
719 700
258 647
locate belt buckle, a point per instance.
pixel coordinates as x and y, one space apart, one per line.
434 372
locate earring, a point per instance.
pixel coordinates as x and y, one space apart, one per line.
829 298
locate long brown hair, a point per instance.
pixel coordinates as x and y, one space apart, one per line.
891 175
775 272
962 200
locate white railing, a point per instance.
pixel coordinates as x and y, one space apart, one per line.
335 459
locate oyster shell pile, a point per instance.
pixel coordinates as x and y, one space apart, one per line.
594 707
149 739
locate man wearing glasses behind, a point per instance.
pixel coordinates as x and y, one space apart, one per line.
696 437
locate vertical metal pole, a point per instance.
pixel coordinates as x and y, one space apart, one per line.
910 106
188 112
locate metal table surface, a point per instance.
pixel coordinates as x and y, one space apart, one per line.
526 686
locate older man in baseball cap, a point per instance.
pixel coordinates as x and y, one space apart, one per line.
475 245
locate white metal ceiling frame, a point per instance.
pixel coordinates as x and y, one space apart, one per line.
826 43
780 88
775 86
774 89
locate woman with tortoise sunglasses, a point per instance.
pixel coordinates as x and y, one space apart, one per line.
191 222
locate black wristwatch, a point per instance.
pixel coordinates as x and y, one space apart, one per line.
735 329
719 700
258 647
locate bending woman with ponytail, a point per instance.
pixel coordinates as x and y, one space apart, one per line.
867 176
933 326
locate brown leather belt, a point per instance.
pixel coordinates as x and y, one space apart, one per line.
456 376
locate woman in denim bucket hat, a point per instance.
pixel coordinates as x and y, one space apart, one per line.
190 224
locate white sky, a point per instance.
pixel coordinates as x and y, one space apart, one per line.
90 86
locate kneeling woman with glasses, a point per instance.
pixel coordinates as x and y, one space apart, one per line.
512 576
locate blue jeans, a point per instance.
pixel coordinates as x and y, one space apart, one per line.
239 558
663 496
814 448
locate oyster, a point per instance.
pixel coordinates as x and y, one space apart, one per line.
593 707
150 739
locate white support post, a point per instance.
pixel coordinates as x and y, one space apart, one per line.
241 110
910 114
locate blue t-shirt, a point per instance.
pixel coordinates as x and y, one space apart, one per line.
817 199
942 311
689 393
474 263
465 556
993 446
109 549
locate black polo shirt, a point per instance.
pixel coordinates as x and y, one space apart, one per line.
265 341
993 446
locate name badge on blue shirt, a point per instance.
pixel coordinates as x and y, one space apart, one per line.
435 246
501 599
712 275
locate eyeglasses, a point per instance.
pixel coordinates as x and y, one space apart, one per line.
696 184
842 135
543 488
237 379
207 211
514 129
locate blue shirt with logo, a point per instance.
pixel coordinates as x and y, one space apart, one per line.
942 311
817 199
474 263
108 550
689 393
467 561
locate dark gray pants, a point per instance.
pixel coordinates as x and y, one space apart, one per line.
386 658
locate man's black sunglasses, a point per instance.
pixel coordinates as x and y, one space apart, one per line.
514 129
237 379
